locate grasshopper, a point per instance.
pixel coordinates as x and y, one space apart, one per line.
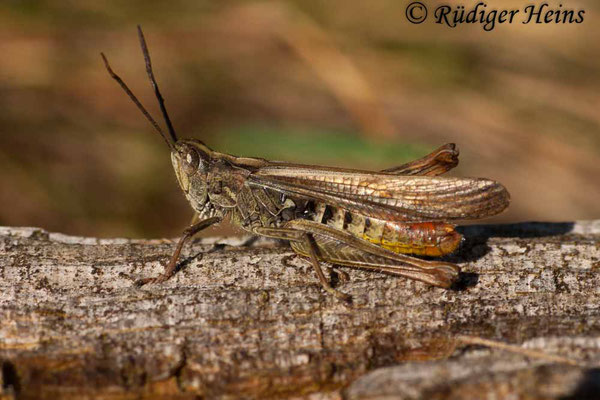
372 220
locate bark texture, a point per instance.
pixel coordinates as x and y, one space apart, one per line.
253 322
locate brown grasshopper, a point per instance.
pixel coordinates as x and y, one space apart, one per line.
372 220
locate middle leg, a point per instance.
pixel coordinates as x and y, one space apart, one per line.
308 242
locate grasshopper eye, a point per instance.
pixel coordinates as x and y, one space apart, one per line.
190 161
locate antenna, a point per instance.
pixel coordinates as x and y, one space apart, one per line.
161 101
172 138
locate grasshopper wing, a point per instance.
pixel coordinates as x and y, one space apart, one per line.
386 195
436 163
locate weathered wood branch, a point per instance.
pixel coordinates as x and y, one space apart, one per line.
252 321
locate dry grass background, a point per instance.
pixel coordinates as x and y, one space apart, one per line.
337 82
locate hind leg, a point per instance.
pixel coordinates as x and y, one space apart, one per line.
321 242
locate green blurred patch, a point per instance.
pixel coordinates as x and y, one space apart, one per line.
442 65
315 147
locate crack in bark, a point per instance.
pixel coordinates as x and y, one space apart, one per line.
181 365
10 379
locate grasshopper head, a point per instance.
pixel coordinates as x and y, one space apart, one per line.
190 160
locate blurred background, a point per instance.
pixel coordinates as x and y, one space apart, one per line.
348 83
